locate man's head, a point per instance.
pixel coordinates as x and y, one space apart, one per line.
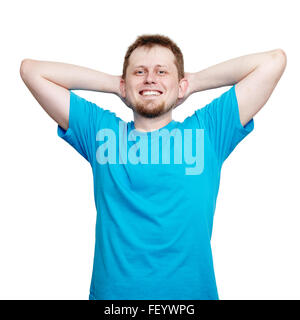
153 63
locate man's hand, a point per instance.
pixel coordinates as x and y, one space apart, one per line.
118 90
189 77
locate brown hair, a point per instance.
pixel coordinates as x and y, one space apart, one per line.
149 41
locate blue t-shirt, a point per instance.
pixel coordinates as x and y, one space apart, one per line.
155 199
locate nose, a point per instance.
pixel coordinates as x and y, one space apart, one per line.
150 77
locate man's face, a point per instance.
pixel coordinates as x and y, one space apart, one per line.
151 87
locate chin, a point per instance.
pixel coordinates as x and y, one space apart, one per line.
154 111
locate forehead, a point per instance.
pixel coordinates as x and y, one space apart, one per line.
157 55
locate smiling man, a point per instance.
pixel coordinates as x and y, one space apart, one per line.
155 217
152 90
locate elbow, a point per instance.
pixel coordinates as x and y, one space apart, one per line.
280 53
25 67
280 57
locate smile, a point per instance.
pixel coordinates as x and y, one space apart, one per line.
150 93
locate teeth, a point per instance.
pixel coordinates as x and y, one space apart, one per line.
150 93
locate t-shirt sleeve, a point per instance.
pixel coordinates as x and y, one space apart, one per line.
85 118
221 121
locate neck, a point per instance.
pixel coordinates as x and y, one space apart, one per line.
151 124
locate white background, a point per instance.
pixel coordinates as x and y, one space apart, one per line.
47 211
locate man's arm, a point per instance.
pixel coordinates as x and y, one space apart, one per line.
255 76
50 82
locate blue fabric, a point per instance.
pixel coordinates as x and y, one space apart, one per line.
154 221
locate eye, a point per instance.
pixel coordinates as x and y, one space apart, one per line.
137 72
162 71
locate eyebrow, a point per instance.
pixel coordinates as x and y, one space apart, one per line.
158 65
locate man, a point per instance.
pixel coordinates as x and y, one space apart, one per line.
155 200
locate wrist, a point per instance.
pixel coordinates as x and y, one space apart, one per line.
192 81
116 85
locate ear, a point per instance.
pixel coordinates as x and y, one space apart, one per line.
183 87
122 88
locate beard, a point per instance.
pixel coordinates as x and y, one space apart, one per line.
150 109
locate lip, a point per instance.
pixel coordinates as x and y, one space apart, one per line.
150 97
148 89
